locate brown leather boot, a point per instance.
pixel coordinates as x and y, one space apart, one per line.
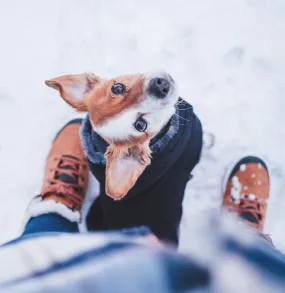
247 191
66 172
65 180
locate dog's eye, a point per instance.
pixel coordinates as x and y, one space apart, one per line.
118 89
140 125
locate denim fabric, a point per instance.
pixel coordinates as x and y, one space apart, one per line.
219 260
44 226
131 268
50 223
54 224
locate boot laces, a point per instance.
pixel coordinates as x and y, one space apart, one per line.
67 182
251 209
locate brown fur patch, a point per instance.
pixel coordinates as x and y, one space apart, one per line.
124 166
103 104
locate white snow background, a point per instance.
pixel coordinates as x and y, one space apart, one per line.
226 55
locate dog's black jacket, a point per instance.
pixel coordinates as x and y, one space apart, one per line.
156 199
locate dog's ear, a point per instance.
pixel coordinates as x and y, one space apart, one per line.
124 165
73 88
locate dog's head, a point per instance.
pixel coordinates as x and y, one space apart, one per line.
127 112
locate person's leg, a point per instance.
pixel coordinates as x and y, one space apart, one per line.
49 223
246 191
58 207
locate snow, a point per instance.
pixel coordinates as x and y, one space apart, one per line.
236 189
226 56
251 196
242 167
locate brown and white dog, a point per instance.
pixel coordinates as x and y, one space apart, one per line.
126 112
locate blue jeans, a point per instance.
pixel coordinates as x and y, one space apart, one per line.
117 263
49 223
54 223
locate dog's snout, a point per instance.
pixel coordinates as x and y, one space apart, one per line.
159 87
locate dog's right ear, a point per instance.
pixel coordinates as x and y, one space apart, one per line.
73 88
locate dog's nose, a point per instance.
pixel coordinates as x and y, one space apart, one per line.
159 87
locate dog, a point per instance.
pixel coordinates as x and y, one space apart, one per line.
142 141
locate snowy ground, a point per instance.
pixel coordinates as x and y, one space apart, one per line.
227 56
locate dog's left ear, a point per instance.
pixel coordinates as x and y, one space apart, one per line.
73 88
124 165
